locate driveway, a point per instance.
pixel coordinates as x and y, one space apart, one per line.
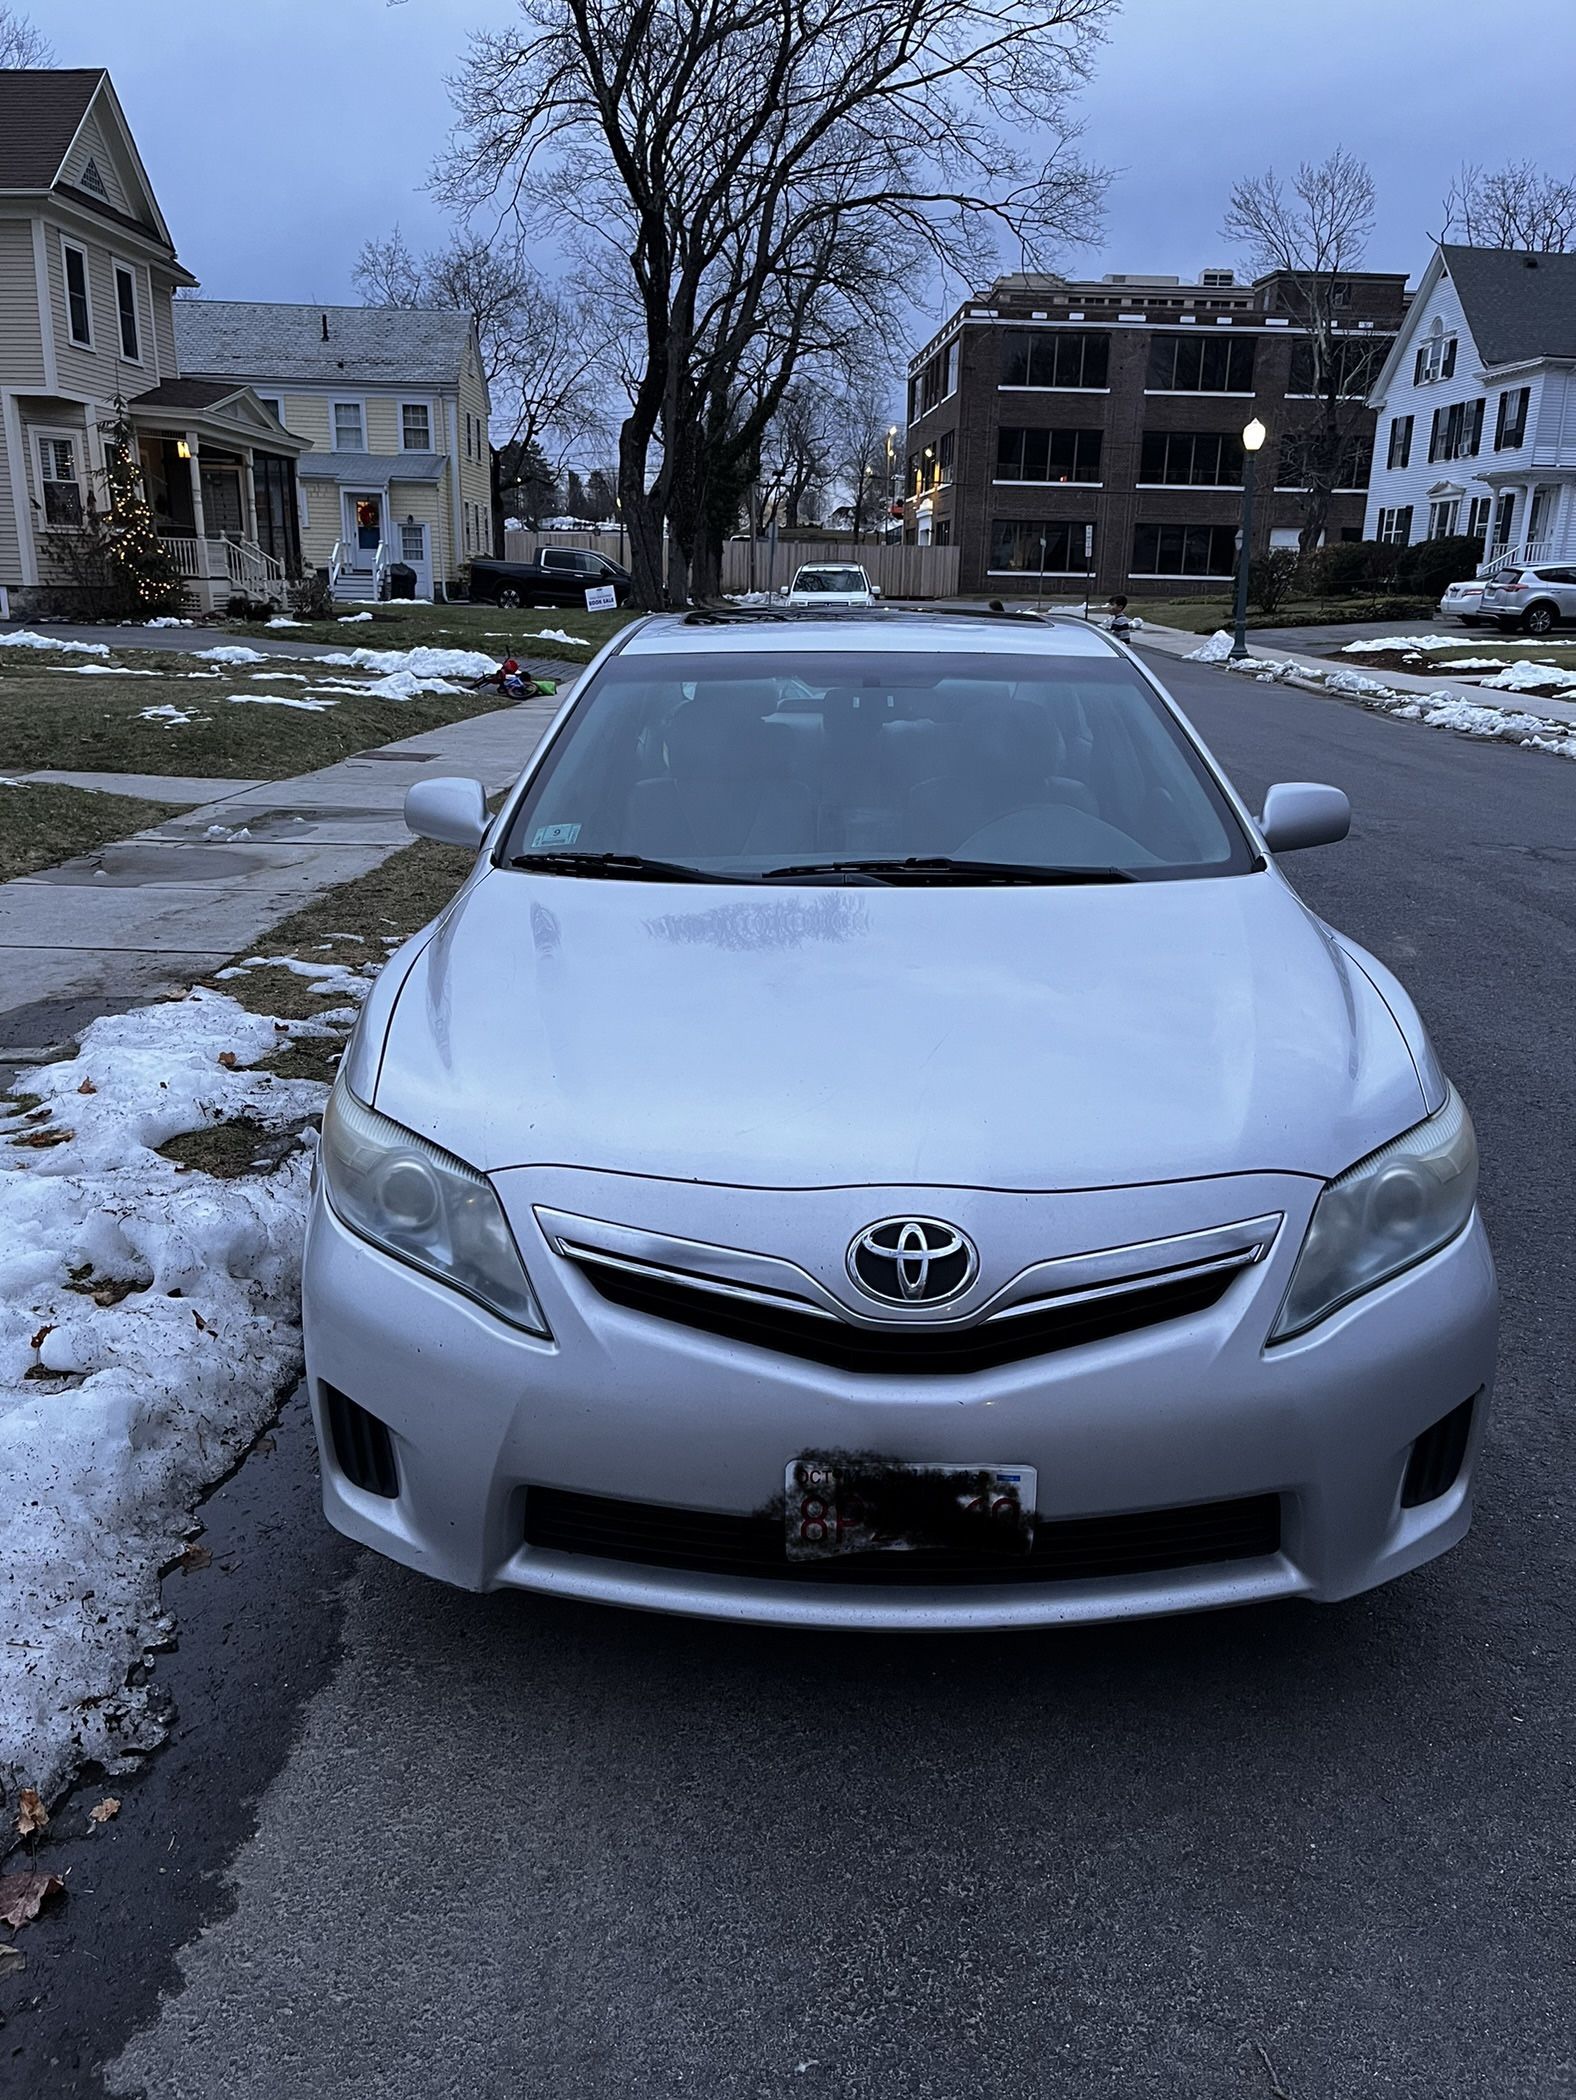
410 1842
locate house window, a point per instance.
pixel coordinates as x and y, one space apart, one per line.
1442 518
1192 458
93 180
415 426
1184 550
1435 359
1032 357
1478 515
349 427
1400 441
274 406
1395 526
79 312
1510 418
126 311
1195 364
1457 431
1022 546
59 480
1047 455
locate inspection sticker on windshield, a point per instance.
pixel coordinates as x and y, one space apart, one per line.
554 835
836 1505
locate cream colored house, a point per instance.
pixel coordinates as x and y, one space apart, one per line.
393 403
88 276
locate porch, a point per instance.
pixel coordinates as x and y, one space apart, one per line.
1534 518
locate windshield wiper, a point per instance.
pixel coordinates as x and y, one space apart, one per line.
941 867
632 867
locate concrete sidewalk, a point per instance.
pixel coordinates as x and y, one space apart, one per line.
148 913
1177 641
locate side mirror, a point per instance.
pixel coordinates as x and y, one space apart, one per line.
875 590
1298 813
454 811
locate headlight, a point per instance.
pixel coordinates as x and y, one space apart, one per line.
1393 1208
424 1206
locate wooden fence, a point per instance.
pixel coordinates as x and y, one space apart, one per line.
896 571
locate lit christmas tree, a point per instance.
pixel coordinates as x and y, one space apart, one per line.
142 572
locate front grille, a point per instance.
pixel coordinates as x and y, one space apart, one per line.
1077 1549
1436 1457
907 1351
362 1445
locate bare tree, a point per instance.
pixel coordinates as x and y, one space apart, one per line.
22 43
865 453
736 159
1314 236
1517 206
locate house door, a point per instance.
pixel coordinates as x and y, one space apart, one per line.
363 527
413 550
223 513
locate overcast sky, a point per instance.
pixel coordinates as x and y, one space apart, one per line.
281 133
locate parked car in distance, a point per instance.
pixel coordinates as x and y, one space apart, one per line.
877 1141
1463 602
831 584
554 576
1534 600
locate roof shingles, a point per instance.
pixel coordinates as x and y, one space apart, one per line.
1517 305
317 345
41 111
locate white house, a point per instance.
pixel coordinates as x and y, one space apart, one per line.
1477 408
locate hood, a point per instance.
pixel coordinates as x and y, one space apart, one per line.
1003 1038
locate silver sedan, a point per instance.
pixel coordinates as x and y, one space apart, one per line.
876 1141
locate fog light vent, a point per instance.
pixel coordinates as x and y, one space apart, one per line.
362 1445
1437 1455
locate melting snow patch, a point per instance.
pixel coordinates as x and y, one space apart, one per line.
283 620
352 619
1214 651
422 662
1439 710
1472 663
556 634
101 671
223 831
329 978
27 640
306 704
1532 678
171 717
148 1320
1412 641
294 677
230 653
167 620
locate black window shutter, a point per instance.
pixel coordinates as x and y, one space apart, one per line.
1417 368
1450 358
1476 439
1433 436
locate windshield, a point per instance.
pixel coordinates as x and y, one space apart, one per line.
830 580
742 765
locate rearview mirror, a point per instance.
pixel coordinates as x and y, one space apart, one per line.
1300 813
453 811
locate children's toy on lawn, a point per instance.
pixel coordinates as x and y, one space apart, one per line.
518 684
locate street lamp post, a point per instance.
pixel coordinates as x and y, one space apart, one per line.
1252 441
891 481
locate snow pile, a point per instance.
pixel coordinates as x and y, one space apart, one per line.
306 704
230 653
353 619
100 671
171 717
332 979
555 634
1439 710
295 677
284 620
27 640
1214 651
168 620
1472 663
148 1319
1412 641
1532 678
422 662
223 831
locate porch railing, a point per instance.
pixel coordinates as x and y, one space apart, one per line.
239 565
336 563
1516 554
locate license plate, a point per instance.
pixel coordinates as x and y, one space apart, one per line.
835 1506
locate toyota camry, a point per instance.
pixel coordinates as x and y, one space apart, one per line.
877 1140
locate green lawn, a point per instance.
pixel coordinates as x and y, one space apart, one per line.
397 625
43 824
54 717
1476 643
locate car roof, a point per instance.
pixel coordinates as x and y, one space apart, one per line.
887 630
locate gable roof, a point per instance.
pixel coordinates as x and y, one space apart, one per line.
41 112
334 345
1518 305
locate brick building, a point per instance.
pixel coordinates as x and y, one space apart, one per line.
1105 419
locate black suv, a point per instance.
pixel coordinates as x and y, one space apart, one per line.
555 576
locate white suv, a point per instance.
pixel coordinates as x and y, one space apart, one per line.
1535 600
829 584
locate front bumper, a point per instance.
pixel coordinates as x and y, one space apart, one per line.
622 1404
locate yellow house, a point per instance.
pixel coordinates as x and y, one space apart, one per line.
88 277
392 402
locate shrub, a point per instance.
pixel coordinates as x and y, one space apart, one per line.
1271 577
311 598
1431 564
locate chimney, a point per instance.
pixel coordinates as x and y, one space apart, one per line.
325 328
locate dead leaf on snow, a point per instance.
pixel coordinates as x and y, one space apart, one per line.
11 1958
101 1811
41 1140
31 1812
22 1894
87 1087
193 1557
43 1333
201 1322
229 1060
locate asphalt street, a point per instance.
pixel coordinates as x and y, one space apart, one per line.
407 1842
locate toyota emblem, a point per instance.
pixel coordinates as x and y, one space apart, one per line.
912 1261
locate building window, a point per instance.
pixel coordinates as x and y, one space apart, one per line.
1028 547
79 311
1184 550
415 426
1400 441
1192 458
1395 526
941 533
1435 359
1442 518
1351 366
1030 357
274 406
1201 364
349 428
59 480
1478 515
126 309
1510 418
93 180
1303 453
1047 455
